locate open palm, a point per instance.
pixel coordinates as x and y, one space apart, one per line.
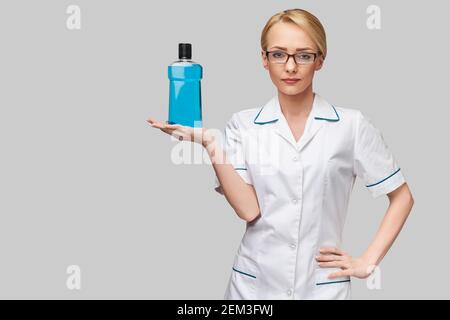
198 135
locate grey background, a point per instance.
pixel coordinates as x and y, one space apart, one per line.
86 181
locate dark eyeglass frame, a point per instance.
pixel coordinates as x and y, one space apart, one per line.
316 54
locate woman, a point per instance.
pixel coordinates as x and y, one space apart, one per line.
288 169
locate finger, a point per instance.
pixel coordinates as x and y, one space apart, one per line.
167 130
154 123
160 126
333 264
151 122
177 134
165 126
328 257
343 273
157 124
331 250
174 125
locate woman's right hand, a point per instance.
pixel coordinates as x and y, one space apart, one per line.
180 132
239 194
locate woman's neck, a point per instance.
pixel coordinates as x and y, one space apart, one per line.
296 106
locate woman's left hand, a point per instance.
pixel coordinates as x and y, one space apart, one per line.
332 257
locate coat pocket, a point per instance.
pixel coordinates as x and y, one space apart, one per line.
244 276
336 288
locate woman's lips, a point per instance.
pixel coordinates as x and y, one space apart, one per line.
290 81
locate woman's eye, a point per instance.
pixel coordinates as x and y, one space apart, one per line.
305 56
278 54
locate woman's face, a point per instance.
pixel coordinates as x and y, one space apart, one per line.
291 37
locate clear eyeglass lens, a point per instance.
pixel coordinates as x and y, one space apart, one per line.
304 57
278 56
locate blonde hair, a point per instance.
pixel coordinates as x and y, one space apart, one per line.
303 19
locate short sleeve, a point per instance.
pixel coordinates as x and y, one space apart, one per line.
374 163
234 150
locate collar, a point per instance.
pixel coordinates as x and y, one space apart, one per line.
321 113
321 110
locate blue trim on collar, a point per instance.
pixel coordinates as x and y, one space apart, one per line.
337 115
254 121
317 118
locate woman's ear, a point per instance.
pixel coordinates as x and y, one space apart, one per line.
264 60
319 63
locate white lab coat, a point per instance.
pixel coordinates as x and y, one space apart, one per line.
303 189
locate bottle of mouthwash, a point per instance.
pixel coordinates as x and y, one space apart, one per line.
185 100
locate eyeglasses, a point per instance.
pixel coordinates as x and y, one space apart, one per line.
282 57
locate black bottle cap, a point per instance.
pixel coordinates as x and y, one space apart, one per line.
184 51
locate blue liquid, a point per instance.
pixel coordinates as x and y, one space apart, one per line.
185 99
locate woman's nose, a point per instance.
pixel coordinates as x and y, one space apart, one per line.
291 65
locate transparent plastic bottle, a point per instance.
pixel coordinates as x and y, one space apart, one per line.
185 99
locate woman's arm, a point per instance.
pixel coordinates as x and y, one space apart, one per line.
400 205
240 195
